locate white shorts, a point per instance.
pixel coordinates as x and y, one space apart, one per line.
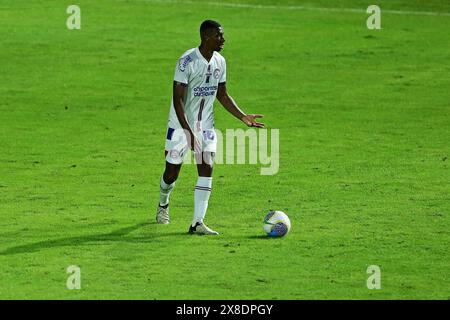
177 146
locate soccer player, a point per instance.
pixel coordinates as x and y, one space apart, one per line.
200 77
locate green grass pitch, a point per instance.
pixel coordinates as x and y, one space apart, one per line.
364 120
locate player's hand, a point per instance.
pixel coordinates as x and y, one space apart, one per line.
250 121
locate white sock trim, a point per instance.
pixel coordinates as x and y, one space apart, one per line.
164 192
202 193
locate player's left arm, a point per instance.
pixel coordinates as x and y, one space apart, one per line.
230 105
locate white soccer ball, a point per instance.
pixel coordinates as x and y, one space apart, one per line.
276 224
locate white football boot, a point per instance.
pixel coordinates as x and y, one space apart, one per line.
162 215
201 228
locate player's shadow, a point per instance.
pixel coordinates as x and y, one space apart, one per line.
117 235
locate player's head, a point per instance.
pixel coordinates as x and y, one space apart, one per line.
211 33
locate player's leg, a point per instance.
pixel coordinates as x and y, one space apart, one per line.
167 182
176 147
166 185
205 164
203 187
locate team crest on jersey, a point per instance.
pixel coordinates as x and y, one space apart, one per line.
183 62
216 73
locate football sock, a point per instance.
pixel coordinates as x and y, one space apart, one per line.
164 192
201 197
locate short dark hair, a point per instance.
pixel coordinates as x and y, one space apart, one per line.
209 24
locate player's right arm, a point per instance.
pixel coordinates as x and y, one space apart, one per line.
179 92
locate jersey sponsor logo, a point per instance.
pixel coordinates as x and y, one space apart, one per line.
216 73
183 62
205 91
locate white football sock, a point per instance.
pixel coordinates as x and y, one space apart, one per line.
164 192
201 197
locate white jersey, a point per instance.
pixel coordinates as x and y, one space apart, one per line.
202 79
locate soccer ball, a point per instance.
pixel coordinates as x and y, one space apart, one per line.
276 224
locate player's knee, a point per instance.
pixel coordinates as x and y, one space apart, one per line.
171 174
170 178
205 170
